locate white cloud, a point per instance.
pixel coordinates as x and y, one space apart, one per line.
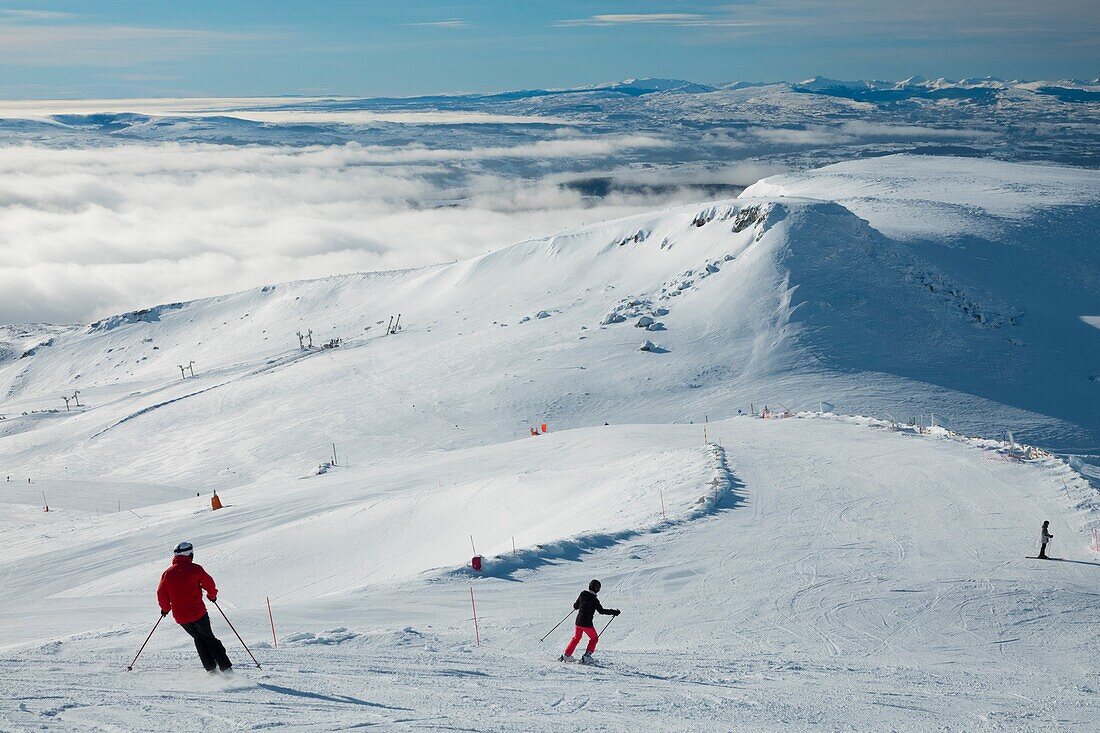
292 111
34 15
366 117
808 136
932 20
859 130
928 19
864 129
640 18
37 108
688 20
86 232
542 149
449 23
27 44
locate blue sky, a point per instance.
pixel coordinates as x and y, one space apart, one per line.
372 47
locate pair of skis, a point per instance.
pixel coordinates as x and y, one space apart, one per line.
586 661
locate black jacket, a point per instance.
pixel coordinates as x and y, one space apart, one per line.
587 603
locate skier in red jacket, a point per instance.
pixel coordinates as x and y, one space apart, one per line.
180 591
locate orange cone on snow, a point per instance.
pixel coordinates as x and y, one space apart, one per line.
215 502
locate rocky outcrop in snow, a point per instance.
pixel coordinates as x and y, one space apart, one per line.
145 315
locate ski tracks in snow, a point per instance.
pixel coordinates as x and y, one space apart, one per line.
817 598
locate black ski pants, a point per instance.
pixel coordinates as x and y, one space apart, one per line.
211 651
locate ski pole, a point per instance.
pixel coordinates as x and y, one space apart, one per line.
605 627
238 635
559 623
147 638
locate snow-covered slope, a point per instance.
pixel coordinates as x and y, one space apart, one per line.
752 301
1011 247
847 576
17 339
806 572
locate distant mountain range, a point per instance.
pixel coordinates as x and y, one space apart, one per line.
1070 90
865 90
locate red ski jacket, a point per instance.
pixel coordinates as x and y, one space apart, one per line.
181 587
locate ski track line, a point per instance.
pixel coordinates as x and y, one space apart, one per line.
268 366
156 406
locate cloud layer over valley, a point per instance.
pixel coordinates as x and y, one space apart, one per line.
92 231
108 206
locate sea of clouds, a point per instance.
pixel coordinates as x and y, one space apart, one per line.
108 206
90 231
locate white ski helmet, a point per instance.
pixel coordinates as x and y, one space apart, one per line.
184 548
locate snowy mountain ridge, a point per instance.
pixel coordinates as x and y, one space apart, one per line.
17 339
651 85
817 84
821 83
779 295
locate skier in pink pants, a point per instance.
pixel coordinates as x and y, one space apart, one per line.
586 604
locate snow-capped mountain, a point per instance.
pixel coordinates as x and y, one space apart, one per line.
713 124
917 82
17 339
895 286
651 85
986 90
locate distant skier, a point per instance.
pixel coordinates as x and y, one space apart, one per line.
586 604
1044 538
180 591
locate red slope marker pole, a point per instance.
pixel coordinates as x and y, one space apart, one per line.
272 620
473 605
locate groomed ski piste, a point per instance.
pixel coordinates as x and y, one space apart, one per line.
809 571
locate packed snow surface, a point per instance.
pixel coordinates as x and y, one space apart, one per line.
849 575
805 572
